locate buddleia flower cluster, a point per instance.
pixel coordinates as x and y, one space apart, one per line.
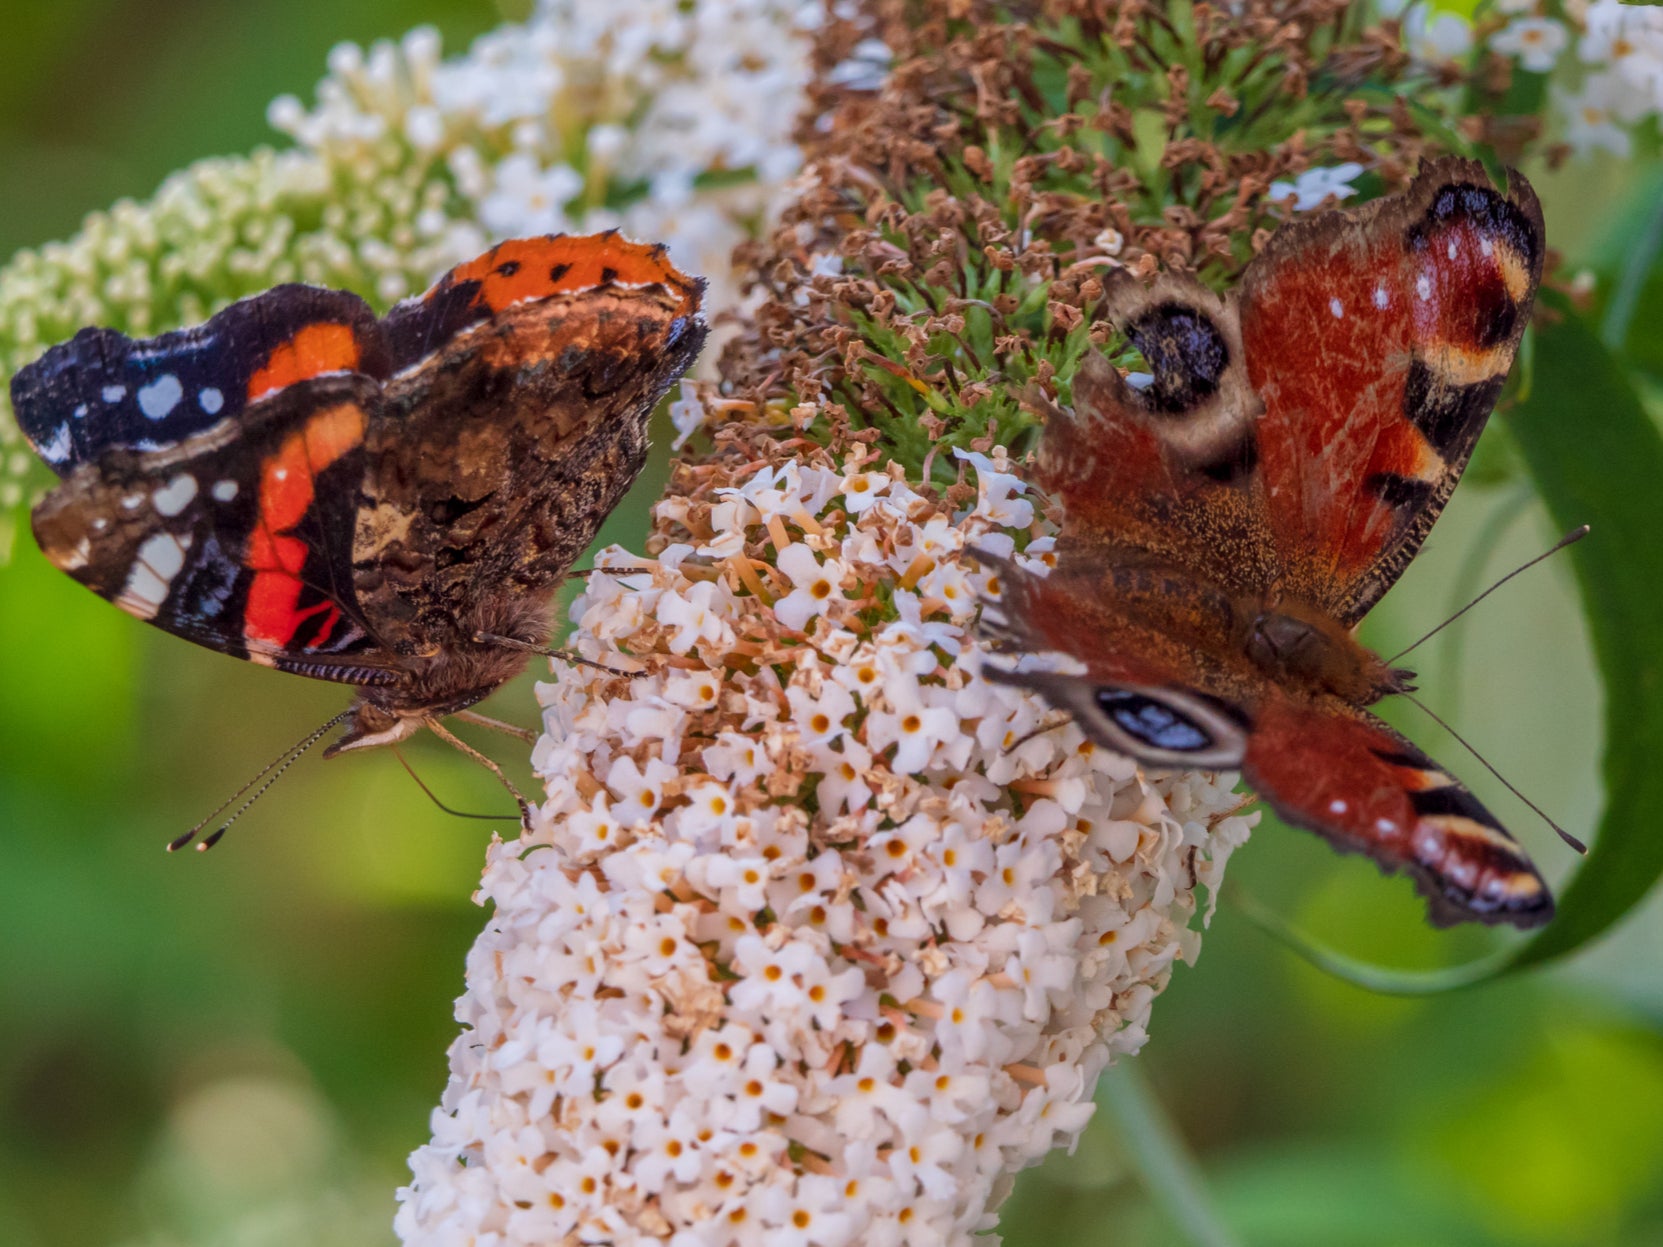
820 936
1603 59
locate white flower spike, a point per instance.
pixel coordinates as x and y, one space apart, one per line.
792 969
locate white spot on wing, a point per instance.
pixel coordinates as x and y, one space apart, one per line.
1381 298
280 474
144 592
132 502
210 400
1337 806
78 556
164 553
175 496
1423 286
1336 307
1452 248
114 393
80 412
161 396
57 450
224 491
159 560
1486 247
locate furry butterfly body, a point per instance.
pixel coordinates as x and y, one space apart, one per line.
1228 525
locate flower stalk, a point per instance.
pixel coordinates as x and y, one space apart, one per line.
820 936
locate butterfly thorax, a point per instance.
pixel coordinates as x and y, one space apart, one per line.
451 682
1301 646
472 663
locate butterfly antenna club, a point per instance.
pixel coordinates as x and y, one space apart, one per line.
274 769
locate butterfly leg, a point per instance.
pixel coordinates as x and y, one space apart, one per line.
496 725
1049 725
565 655
583 573
462 746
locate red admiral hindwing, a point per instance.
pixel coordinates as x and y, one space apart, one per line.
383 502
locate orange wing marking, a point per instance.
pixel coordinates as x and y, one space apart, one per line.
535 268
312 352
287 488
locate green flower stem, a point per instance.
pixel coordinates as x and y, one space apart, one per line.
1169 1172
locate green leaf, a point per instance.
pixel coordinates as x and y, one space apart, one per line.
1596 459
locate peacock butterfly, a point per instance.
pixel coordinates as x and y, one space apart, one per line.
1228 524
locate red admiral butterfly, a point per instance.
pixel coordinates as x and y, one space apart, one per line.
1228 525
385 503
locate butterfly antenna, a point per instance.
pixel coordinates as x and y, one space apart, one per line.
279 764
1043 728
1542 814
409 770
1570 538
565 655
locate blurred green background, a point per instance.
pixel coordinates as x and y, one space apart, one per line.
241 1047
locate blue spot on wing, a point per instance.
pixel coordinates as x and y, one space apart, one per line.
1153 722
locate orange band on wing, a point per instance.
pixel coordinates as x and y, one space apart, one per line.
312 352
288 484
535 268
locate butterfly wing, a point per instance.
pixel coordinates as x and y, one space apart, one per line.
102 390
1341 772
528 271
1297 450
1155 688
1378 341
1164 474
1152 692
238 538
520 415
